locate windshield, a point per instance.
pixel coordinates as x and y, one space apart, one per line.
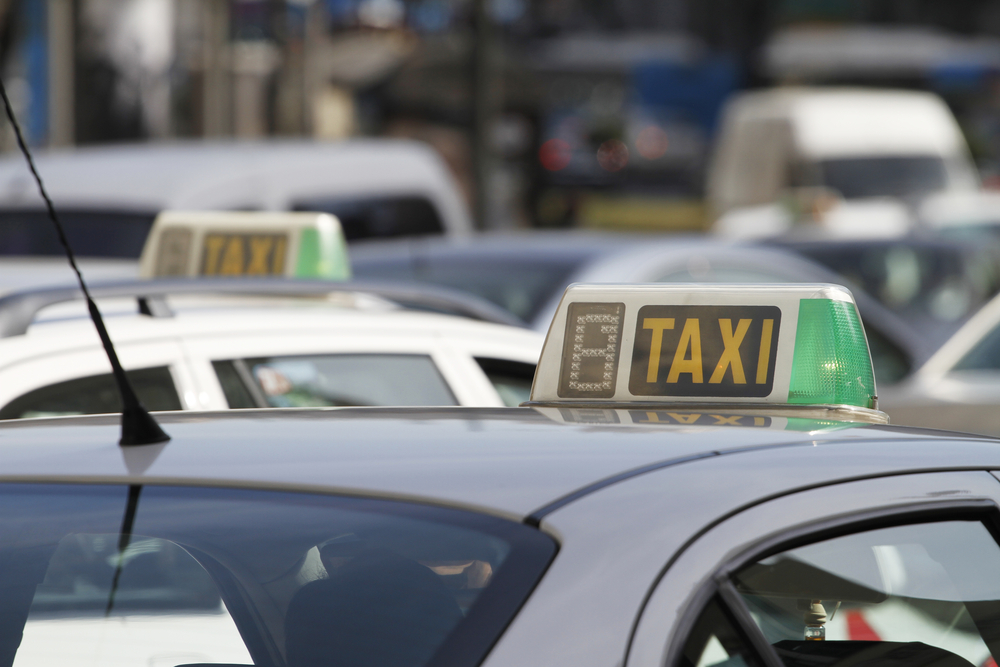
384 216
165 576
884 176
90 233
933 285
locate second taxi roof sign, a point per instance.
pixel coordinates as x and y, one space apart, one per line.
245 244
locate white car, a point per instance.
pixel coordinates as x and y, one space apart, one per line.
208 353
958 387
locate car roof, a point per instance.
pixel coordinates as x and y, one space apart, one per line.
834 122
512 462
69 326
266 175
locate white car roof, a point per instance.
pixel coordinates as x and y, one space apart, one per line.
832 122
269 175
66 327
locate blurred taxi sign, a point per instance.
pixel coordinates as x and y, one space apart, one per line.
751 345
240 243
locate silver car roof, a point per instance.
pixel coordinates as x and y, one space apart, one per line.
512 462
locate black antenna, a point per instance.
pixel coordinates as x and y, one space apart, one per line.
138 426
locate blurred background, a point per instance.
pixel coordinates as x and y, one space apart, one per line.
550 113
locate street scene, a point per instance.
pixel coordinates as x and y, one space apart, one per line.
500 333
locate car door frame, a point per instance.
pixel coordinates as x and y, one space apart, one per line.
700 570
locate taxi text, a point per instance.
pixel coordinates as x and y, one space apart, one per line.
704 351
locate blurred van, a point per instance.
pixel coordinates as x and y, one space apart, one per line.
857 143
107 197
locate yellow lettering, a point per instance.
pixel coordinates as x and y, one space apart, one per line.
657 324
690 338
278 257
734 420
685 419
765 351
232 258
652 418
731 352
213 246
758 421
259 247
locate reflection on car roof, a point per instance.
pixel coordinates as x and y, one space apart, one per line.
508 461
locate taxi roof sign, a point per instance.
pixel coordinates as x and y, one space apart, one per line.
245 243
707 344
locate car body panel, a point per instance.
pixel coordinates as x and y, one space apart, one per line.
616 541
642 494
781 519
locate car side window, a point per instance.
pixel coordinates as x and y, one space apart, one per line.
333 379
95 394
511 379
913 594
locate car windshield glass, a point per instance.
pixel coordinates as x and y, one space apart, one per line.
935 285
378 217
898 176
165 576
517 284
90 233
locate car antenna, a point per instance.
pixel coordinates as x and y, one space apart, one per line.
138 426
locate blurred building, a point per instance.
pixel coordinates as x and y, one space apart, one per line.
551 112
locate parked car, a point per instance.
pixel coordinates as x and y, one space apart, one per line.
856 143
527 273
934 283
958 387
108 196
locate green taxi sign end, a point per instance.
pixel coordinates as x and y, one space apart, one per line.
323 254
831 364
757 346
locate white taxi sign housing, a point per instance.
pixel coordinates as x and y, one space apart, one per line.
799 345
245 244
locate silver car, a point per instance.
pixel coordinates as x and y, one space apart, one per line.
703 530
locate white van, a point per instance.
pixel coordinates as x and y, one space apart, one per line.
107 197
858 143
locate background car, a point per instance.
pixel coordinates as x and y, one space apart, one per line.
933 283
527 273
958 388
287 347
109 196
